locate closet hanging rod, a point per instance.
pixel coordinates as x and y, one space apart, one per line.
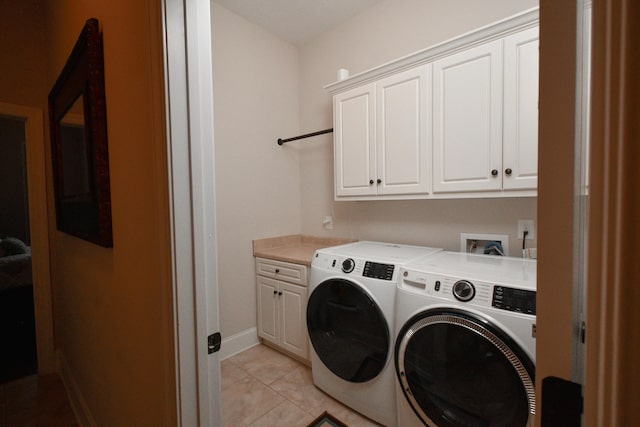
295 138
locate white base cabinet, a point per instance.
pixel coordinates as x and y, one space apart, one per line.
282 296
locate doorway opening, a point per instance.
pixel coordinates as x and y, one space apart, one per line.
31 175
17 317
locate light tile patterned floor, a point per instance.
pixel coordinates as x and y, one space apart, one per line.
264 388
260 388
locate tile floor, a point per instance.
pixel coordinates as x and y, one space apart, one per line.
35 401
260 388
264 388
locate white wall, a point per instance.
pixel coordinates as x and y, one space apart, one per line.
258 191
265 88
387 31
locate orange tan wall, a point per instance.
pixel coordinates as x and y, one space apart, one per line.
112 307
23 54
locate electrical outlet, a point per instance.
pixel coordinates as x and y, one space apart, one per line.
328 222
526 225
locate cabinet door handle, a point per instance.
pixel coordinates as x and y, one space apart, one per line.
277 270
279 293
370 182
275 292
508 171
379 181
494 172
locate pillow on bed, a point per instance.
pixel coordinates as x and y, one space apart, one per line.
13 246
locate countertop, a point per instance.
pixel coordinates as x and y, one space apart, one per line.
296 248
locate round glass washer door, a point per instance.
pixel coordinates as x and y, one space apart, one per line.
456 369
348 330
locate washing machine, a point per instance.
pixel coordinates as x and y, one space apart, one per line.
350 319
465 341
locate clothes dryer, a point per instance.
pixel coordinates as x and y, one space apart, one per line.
465 341
350 319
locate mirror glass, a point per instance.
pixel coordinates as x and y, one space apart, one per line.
75 161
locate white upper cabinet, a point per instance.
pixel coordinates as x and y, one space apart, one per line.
520 139
486 116
382 136
403 137
459 119
354 141
467 128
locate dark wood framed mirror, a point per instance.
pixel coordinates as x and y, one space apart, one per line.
79 152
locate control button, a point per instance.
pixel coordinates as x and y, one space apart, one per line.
333 264
437 287
464 290
348 265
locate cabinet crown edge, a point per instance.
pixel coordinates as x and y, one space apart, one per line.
518 22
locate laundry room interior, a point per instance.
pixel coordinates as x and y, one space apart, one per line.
272 196
267 88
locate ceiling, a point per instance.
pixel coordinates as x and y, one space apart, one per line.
297 21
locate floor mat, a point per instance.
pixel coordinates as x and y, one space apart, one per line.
327 420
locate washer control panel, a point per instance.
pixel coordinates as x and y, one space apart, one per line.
474 292
519 300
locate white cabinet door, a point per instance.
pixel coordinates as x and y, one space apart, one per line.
293 303
268 327
468 120
520 142
354 141
282 315
403 129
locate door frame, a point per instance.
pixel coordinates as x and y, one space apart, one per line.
39 229
612 388
189 113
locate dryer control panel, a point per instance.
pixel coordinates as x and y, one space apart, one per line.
378 270
355 267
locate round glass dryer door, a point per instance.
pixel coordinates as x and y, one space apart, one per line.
347 330
456 370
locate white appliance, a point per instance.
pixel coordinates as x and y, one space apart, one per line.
465 341
350 317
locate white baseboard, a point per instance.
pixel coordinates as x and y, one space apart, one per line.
78 404
238 343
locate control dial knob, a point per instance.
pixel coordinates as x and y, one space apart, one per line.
348 265
464 290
